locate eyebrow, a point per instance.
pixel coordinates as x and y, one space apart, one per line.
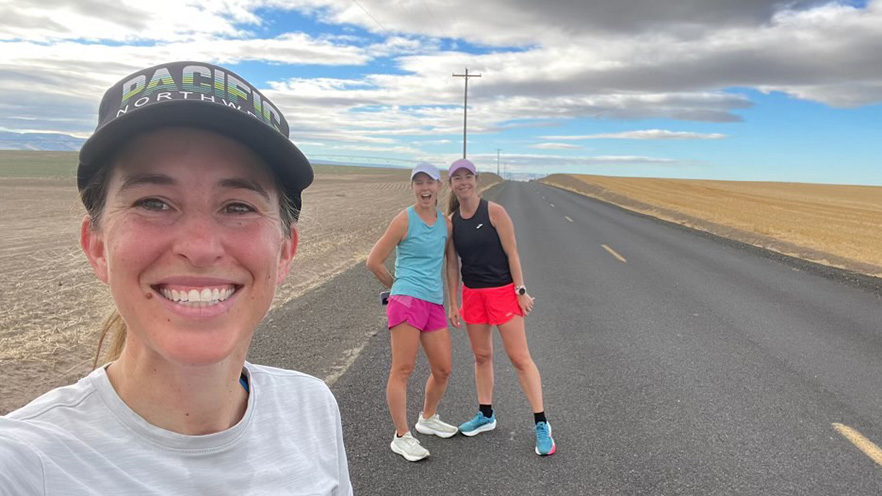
242 183
135 180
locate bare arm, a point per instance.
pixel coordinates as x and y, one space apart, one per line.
376 260
452 277
505 228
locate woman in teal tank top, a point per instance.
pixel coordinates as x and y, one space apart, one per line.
419 236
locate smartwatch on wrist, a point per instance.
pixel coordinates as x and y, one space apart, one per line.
520 290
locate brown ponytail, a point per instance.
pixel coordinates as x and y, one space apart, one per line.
114 332
114 328
452 203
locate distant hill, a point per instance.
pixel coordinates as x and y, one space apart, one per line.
40 141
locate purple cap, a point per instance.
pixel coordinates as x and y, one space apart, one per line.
427 169
462 164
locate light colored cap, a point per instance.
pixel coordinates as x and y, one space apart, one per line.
426 168
462 163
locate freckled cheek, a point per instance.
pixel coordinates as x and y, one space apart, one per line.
259 251
130 251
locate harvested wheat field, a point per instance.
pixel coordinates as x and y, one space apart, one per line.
840 226
53 304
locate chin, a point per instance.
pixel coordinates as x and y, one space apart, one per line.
201 349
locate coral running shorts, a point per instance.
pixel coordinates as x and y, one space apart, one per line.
424 315
492 306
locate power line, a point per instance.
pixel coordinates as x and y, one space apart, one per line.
431 12
364 157
369 15
465 106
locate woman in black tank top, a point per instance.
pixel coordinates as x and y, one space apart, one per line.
493 294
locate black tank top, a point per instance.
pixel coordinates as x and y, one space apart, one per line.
484 262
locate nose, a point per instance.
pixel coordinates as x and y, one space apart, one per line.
199 240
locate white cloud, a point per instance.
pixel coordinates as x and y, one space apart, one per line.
526 22
394 150
541 164
555 146
843 94
290 48
538 160
648 134
397 45
654 46
646 59
120 20
64 82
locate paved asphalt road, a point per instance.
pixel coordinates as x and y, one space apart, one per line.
672 363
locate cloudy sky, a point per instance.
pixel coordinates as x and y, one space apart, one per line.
718 89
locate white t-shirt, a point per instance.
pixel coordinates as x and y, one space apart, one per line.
83 440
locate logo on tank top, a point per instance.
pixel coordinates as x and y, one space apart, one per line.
479 226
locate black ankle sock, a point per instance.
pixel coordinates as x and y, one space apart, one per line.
539 417
486 410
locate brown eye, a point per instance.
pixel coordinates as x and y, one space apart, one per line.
152 204
238 208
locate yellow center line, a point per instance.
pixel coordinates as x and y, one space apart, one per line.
613 253
861 442
567 218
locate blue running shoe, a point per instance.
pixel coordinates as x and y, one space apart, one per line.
478 425
544 442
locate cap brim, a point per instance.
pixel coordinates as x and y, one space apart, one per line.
452 170
284 158
431 176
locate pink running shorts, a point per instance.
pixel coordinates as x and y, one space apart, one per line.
424 315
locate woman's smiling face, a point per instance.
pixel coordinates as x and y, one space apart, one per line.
190 244
425 189
463 183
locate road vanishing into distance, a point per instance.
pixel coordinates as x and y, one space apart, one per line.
672 363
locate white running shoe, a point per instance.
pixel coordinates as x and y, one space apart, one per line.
435 427
408 447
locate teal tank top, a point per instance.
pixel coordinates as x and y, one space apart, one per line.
418 259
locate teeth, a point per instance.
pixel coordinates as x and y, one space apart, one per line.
195 297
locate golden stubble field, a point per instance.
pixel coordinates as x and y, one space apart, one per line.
53 305
840 226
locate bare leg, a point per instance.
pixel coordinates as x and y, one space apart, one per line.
436 344
514 337
405 344
482 346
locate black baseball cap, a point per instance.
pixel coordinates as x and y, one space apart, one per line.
195 94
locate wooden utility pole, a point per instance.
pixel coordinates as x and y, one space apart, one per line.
465 106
